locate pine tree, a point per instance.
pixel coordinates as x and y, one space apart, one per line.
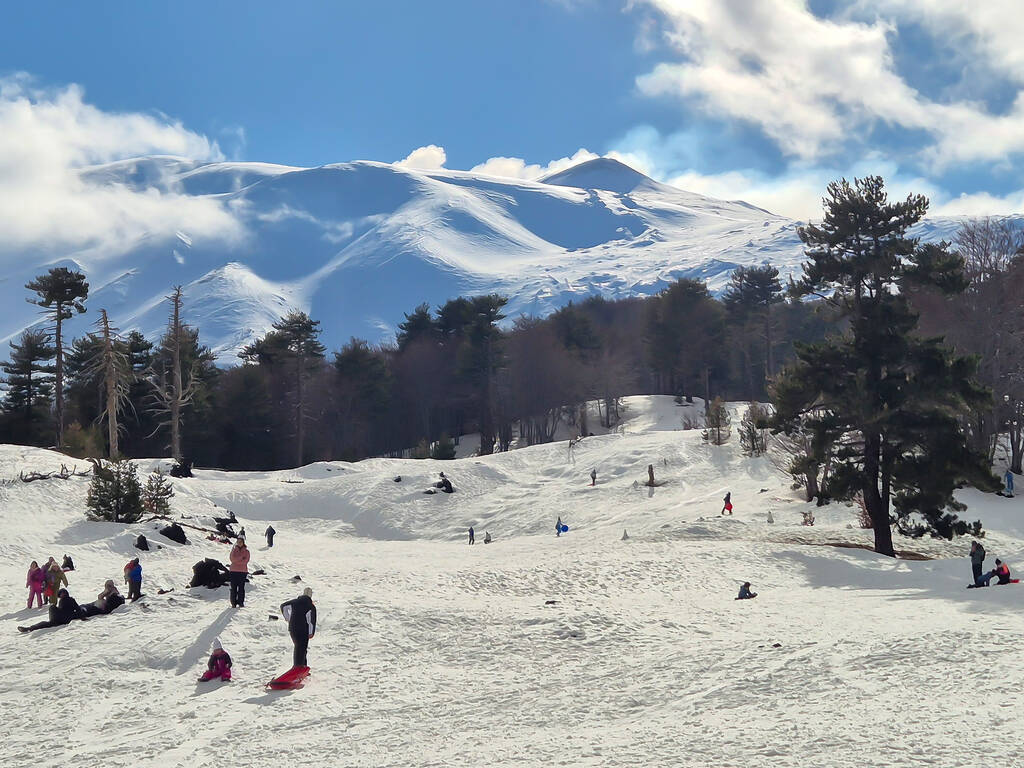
887 400
62 292
293 346
717 423
114 494
157 494
752 439
30 387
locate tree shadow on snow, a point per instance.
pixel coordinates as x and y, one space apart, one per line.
201 647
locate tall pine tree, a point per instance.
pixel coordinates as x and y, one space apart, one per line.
61 292
886 399
30 388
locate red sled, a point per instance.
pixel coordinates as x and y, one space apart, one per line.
290 680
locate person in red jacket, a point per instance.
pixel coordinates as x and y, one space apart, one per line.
238 571
219 664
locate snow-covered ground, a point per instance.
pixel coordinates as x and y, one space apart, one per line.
430 652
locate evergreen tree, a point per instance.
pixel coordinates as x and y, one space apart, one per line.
418 325
30 387
292 345
114 494
717 423
752 439
887 400
157 494
62 292
749 299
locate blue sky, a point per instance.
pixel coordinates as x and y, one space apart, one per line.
764 100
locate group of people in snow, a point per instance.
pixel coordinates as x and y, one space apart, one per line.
472 536
44 582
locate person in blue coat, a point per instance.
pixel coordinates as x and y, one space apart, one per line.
1008 477
133 577
745 593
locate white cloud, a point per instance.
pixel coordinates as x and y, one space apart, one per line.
47 136
428 158
517 168
816 86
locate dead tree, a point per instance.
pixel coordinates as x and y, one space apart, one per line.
112 366
169 398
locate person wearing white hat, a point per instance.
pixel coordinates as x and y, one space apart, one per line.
300 614
219 664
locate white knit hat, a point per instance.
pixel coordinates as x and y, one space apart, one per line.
216 644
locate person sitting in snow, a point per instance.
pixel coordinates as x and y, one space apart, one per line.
745 593
487 537
1001 572
64 612
219 664
105 601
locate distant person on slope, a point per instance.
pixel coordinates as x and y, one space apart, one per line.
64 612
593 477
133 578
472 540
300 614
977 559
68 564
1008 477
270 535
238 571
558 526
35 580
745 593
727 507
219 664
487 537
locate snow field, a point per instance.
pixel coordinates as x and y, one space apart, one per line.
429 652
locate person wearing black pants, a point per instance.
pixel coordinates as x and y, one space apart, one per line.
270 535
300 614
238 571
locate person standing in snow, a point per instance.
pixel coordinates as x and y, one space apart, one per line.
270 535
238 571
745 593
558 526
300 614
219 664
1008 477
133 578
35 580
977 558
54 578
472 540
593 477
727 506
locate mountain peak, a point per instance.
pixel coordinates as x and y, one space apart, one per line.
602 173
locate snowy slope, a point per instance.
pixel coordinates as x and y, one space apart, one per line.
357 244
430 652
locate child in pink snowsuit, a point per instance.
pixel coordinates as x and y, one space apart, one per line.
219 664
36 582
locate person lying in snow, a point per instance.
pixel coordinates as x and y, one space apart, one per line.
105 601
64 612
219 664
745 593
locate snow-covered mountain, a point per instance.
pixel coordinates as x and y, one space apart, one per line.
357 244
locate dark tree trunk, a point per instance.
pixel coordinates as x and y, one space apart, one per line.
873 500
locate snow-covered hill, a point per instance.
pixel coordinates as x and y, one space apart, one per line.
357 244
584 650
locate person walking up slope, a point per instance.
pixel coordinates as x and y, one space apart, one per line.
219 664
35 580
472 535
300 614
238 571
270 535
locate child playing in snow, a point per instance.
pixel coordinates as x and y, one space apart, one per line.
745 593
219 664
36 582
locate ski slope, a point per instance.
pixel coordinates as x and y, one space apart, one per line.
430 652
358 244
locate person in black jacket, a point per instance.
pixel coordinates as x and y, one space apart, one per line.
270 535
64 612
300 614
